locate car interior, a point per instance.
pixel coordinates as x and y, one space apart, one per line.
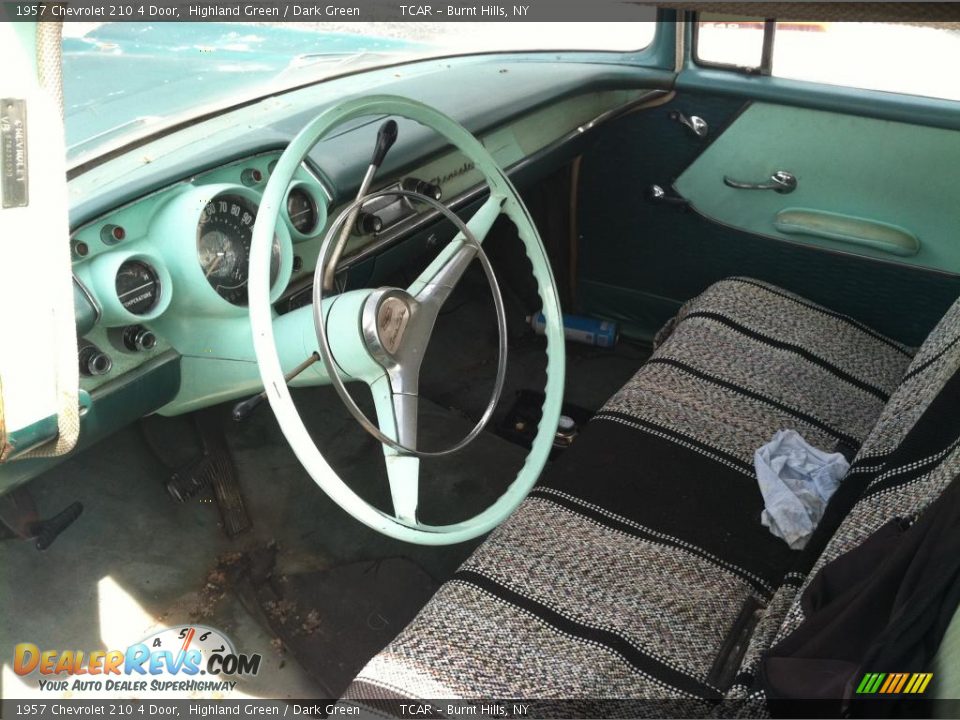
334 400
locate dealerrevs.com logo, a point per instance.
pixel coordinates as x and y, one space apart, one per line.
194 659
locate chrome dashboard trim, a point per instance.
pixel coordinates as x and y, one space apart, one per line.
98 311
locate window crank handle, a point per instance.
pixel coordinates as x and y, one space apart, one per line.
781 181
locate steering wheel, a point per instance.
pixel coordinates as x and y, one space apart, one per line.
379 336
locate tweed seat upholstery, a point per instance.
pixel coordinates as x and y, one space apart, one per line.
879 489
638 567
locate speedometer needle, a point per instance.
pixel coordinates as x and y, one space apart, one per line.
214 264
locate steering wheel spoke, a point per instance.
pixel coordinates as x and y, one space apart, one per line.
434 285
397 417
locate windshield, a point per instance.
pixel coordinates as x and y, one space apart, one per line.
124 79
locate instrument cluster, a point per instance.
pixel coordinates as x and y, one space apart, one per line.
182 253
190 243
224 234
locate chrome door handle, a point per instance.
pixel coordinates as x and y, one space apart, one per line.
695 124
781 181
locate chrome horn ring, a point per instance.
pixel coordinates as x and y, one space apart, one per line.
326 355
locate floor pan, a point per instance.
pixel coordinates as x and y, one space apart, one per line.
332 621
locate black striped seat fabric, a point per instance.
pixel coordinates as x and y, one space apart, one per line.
884 483
638 568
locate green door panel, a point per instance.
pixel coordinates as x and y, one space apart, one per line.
869 187
637 260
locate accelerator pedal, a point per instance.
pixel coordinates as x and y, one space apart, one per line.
199 462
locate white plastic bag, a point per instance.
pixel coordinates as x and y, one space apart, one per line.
796 480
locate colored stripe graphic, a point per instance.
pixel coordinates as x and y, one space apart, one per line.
867 681
875 685
894 683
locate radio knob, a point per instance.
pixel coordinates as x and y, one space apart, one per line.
423 187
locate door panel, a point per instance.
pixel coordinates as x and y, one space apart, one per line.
865 186
639 260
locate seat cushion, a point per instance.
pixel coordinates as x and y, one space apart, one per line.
638 565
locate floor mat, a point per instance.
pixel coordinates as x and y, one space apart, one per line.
332 621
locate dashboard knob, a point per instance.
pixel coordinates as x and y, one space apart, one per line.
368 223
93 361
139 339
423 187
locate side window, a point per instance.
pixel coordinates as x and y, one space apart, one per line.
729 41
909 58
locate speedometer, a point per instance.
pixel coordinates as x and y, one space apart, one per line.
224 234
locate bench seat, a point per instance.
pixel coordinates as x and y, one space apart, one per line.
638 567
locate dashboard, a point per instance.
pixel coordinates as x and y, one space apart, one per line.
165 274
160 232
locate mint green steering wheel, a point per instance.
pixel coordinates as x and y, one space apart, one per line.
361 349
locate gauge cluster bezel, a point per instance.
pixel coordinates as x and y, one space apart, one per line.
175 226
100 275
146 228
319 211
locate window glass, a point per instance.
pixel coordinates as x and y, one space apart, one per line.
914 58
728 40
459 38
123 77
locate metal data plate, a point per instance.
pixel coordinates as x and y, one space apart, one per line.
14 177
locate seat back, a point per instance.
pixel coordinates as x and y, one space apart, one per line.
934 363
884 483
911 455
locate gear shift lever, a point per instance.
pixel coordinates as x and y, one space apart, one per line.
386 136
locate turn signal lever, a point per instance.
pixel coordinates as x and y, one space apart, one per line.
242 410
386 137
